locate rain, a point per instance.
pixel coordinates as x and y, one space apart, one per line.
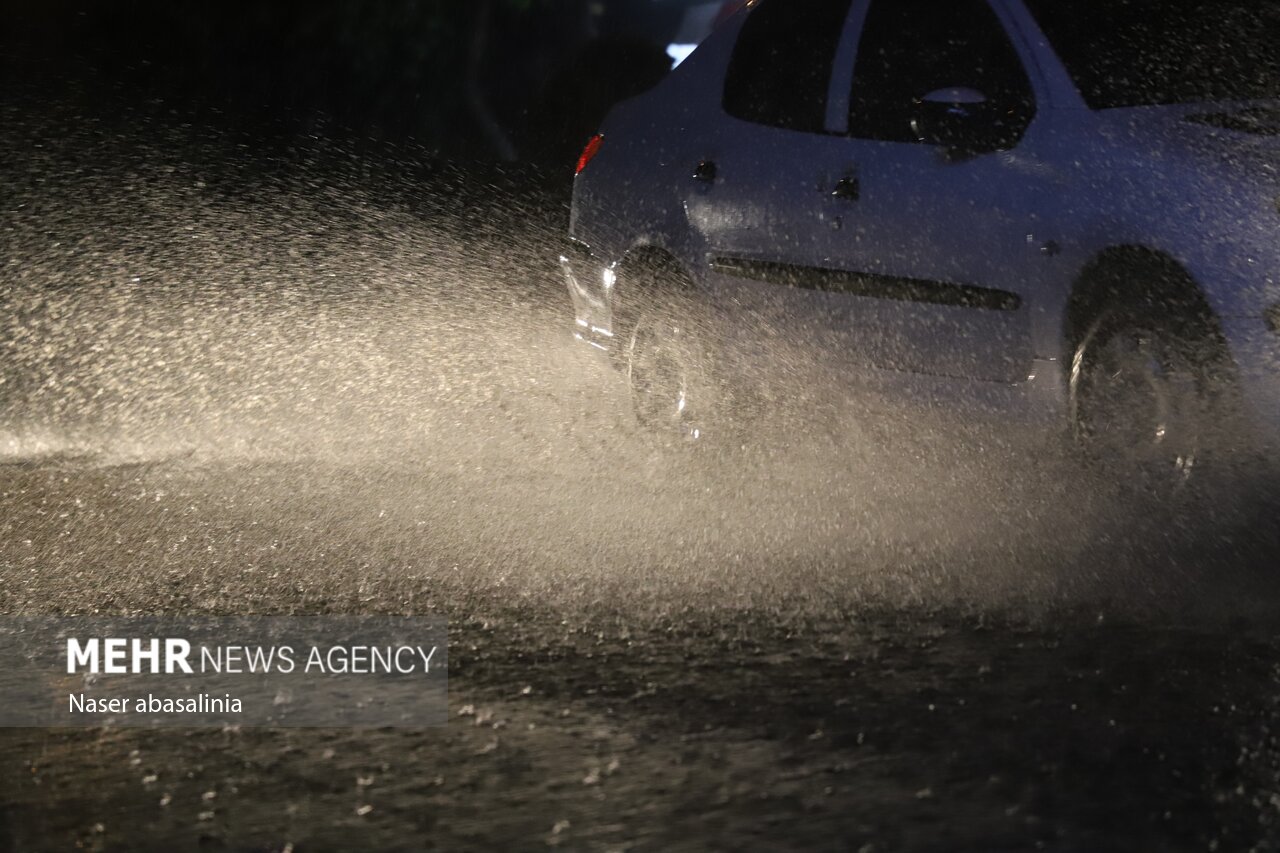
323 374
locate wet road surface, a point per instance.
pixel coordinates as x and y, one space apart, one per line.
309 385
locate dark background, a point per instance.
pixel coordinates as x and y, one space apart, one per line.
498 80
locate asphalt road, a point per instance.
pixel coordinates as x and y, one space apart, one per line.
597 705
318 382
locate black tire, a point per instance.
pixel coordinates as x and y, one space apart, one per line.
1152 402
668 358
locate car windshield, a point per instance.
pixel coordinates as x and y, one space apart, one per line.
1125 53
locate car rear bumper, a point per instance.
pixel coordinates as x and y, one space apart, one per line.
589 280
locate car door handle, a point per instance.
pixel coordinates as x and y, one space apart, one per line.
705 171
847 189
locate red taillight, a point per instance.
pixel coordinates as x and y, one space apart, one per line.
588 153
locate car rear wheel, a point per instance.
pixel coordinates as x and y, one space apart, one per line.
667 357
668 373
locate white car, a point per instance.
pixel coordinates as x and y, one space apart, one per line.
1067 211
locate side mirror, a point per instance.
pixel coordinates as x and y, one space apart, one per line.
951 117
955 96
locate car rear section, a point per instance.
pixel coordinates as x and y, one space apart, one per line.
627 201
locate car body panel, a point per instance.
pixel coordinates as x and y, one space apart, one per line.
766 239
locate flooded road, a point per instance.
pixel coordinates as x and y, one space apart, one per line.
309 384
598 706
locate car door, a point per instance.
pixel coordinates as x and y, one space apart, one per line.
756 173
901 233
936 253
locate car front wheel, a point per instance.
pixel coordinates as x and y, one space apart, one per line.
1149 400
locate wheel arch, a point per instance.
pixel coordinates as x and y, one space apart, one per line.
1135 277
654 259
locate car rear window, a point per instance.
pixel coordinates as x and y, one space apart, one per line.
781 66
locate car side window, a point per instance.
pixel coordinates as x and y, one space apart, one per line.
781 65
919 61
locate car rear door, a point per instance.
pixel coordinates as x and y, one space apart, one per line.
757 170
